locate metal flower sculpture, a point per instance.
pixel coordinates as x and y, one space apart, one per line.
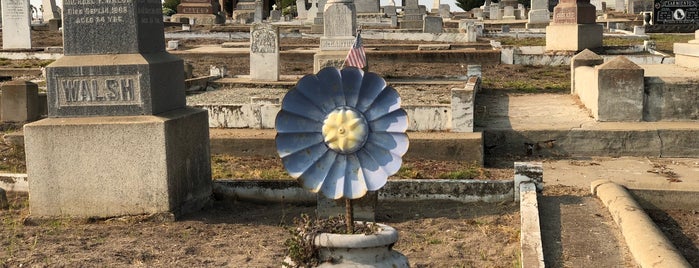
342 132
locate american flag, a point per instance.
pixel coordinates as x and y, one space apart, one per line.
356 56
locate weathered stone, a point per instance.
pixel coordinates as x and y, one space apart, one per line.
367 6
49 10
16 32
462 109
4 204
340 25
264 52
508 13
620 91
539 14
584 58
432 24
20 101
574 12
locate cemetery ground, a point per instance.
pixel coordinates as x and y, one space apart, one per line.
432 233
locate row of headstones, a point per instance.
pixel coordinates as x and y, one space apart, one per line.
503 10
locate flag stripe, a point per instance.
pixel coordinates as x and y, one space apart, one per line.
356 56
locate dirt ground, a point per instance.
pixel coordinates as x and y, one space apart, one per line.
578 229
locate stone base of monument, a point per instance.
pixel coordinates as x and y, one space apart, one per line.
317 28
243 16
334 58
198 19
119 165
573 37
686 54
123 84
411 24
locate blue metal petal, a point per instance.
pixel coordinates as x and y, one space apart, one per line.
313 178
374 175
311 87
334 183
372 85
355 185
295 102
389 162
388 101
290 123
396 121
352 83
331 81
297 163
289 143
396 143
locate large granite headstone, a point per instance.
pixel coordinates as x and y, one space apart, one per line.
16 19
102 74
675 17
574 27
264 52
119 139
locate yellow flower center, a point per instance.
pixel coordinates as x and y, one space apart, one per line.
345 130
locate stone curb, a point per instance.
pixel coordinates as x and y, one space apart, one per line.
288 191
648 245
530 230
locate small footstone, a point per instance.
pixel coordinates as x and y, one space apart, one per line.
3 200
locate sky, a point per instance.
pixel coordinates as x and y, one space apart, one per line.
427 3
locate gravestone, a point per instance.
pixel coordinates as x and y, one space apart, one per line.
264 52
16 19
508 13
20 101
258 17
319 19
445 11
390 11
539 15
477 13
435 6
340 25
312 12
619 5
367 6
574 27
433 24
244 11
597 4
339 28
119 139
675 17
301 9
201 11
49 10
495 13
412 18
275 15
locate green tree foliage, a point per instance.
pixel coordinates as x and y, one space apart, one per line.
467 5
171 4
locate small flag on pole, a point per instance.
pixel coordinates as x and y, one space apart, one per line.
356 56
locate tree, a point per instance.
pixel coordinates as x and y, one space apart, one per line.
171 4
467 5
